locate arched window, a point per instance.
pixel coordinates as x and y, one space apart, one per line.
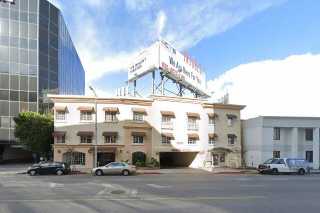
138 157
74 158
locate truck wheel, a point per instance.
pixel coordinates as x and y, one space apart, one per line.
275 171
301 172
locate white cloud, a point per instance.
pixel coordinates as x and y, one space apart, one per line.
108 64
160 23
195 21
287 87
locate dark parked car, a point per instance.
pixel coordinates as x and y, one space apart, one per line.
48 168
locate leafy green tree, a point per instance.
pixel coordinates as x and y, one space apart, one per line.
34 131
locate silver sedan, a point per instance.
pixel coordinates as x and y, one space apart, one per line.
114 168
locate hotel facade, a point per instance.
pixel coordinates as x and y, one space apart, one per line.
174 131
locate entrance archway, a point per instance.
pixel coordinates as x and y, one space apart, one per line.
138 157
219 155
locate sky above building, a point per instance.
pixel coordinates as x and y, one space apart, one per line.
222 35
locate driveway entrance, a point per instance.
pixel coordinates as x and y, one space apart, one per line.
176 159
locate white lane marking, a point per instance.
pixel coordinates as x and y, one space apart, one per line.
243 179
253 185
56 185
278 179
134 192
158 186
105 189
137 199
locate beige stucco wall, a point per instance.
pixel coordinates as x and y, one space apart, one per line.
152 127
222 129
59 150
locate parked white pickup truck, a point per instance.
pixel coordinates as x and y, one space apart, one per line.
285 165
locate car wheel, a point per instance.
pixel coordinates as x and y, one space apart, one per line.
274 171
32 172
99 172
125 172
59 172
301 172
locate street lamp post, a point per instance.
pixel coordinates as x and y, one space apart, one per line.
96 128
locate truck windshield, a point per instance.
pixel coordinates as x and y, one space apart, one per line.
270 161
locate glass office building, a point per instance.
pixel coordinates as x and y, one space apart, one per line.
37 57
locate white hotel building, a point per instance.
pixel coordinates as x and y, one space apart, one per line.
175 131
269 136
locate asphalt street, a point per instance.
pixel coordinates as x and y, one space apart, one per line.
203 192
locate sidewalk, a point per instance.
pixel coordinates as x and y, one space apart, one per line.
171 171
9 169
195 171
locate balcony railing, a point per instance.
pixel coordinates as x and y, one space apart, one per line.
193 126
167 125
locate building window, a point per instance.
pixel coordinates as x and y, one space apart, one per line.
192 141
5 122
137 139
111 116
309 156
166 140
166 122
212 121
309 134
60 139
110 139
276 154
192 123
231 118
60 115
212 141
232 139
85 116
166 119
86 139
74 158
138 116
276 133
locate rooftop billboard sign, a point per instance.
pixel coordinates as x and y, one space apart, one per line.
8 1
175 65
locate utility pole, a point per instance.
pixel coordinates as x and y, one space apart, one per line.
96 128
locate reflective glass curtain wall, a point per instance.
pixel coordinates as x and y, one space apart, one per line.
18 62
71 73
37 57
60 69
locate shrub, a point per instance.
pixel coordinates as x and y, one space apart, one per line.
153 163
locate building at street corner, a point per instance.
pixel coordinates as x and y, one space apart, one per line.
292 137
176 131
37 57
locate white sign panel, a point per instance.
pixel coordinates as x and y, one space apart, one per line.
181 68
8 1
177 66
145 62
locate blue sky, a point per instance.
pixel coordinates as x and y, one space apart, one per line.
220 34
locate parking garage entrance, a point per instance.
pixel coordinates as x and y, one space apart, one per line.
176 159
